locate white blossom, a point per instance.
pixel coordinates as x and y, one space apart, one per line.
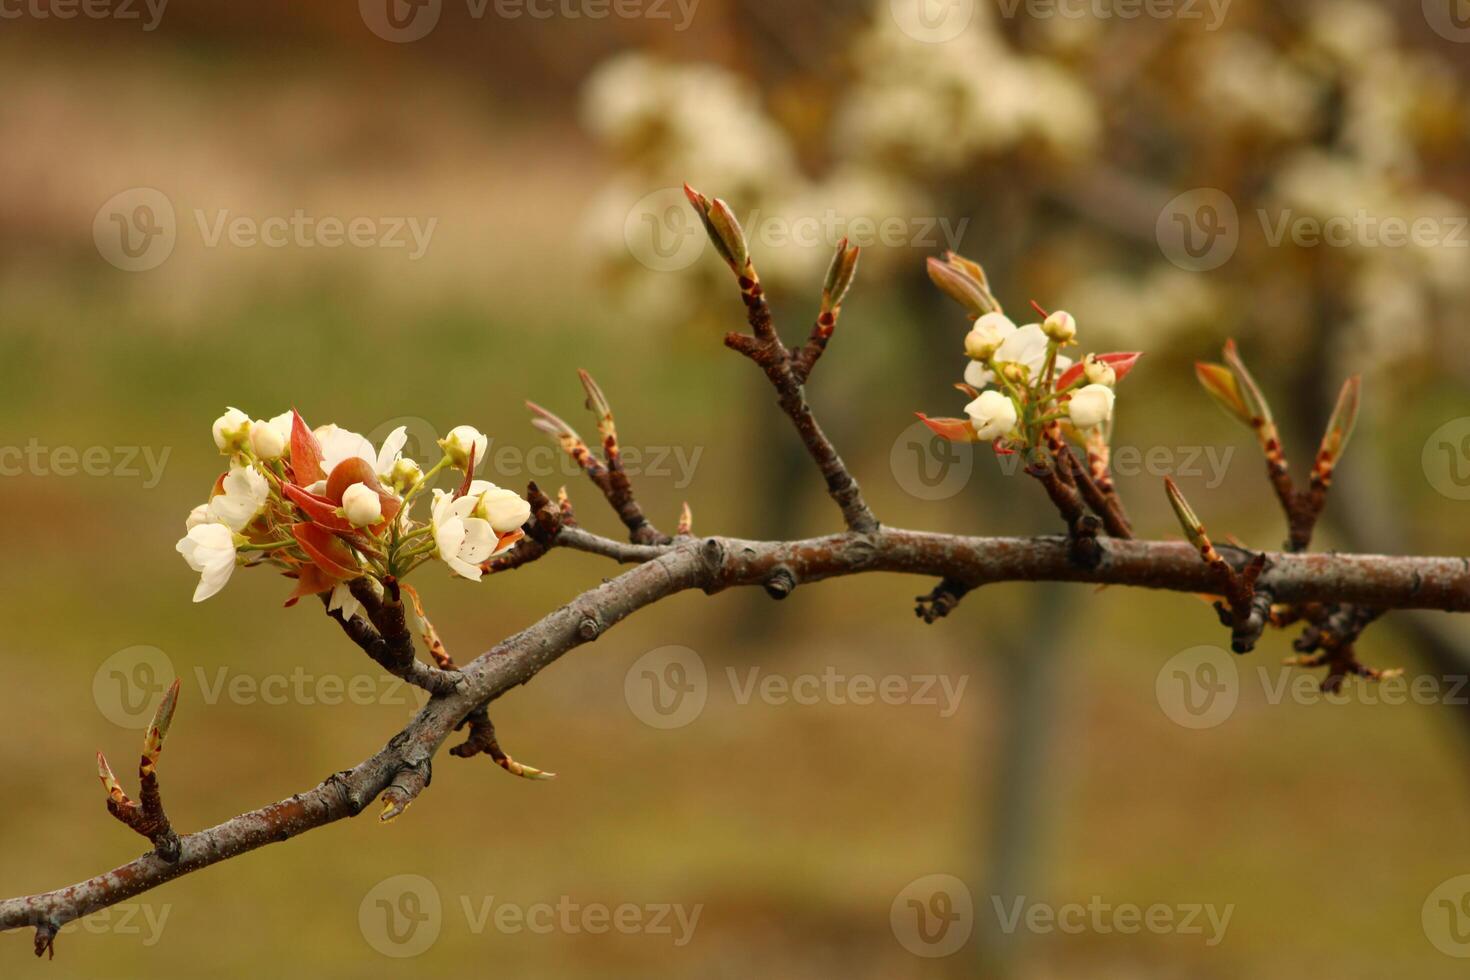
504 509
362 505
243 497
460 541
231 431
1092 405
210 550
993 414
463 439
339 444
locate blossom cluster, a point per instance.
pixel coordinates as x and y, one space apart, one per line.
327 509
1021 385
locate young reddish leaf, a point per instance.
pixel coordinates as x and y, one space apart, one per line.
1121 364
1251 394
319 509
306 453
955 430
310 580
1219 381
999 448
1344 418
353 469
330 554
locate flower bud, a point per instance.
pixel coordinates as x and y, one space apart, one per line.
987 335
405 475
461 442
267 441
992 414
504 509
1099 372
1014 372
231 431
1060 326
361 505
1092 405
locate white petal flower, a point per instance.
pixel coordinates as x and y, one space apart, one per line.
993 415
210 550
1099 372
362 505
504 509
231 431
452 529
199 515
460 441
1060 326
392 451
244 497
405 475
266 440
977 375
343 599
1025 346
339 444
1092 405
988 333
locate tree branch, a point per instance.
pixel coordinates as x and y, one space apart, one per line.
712 564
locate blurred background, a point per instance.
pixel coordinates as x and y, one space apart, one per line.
426 213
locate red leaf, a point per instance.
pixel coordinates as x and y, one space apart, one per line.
319 509
999 448
306 452
1122 363
310 580
330 554
955 430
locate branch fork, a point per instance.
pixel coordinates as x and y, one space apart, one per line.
146 815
